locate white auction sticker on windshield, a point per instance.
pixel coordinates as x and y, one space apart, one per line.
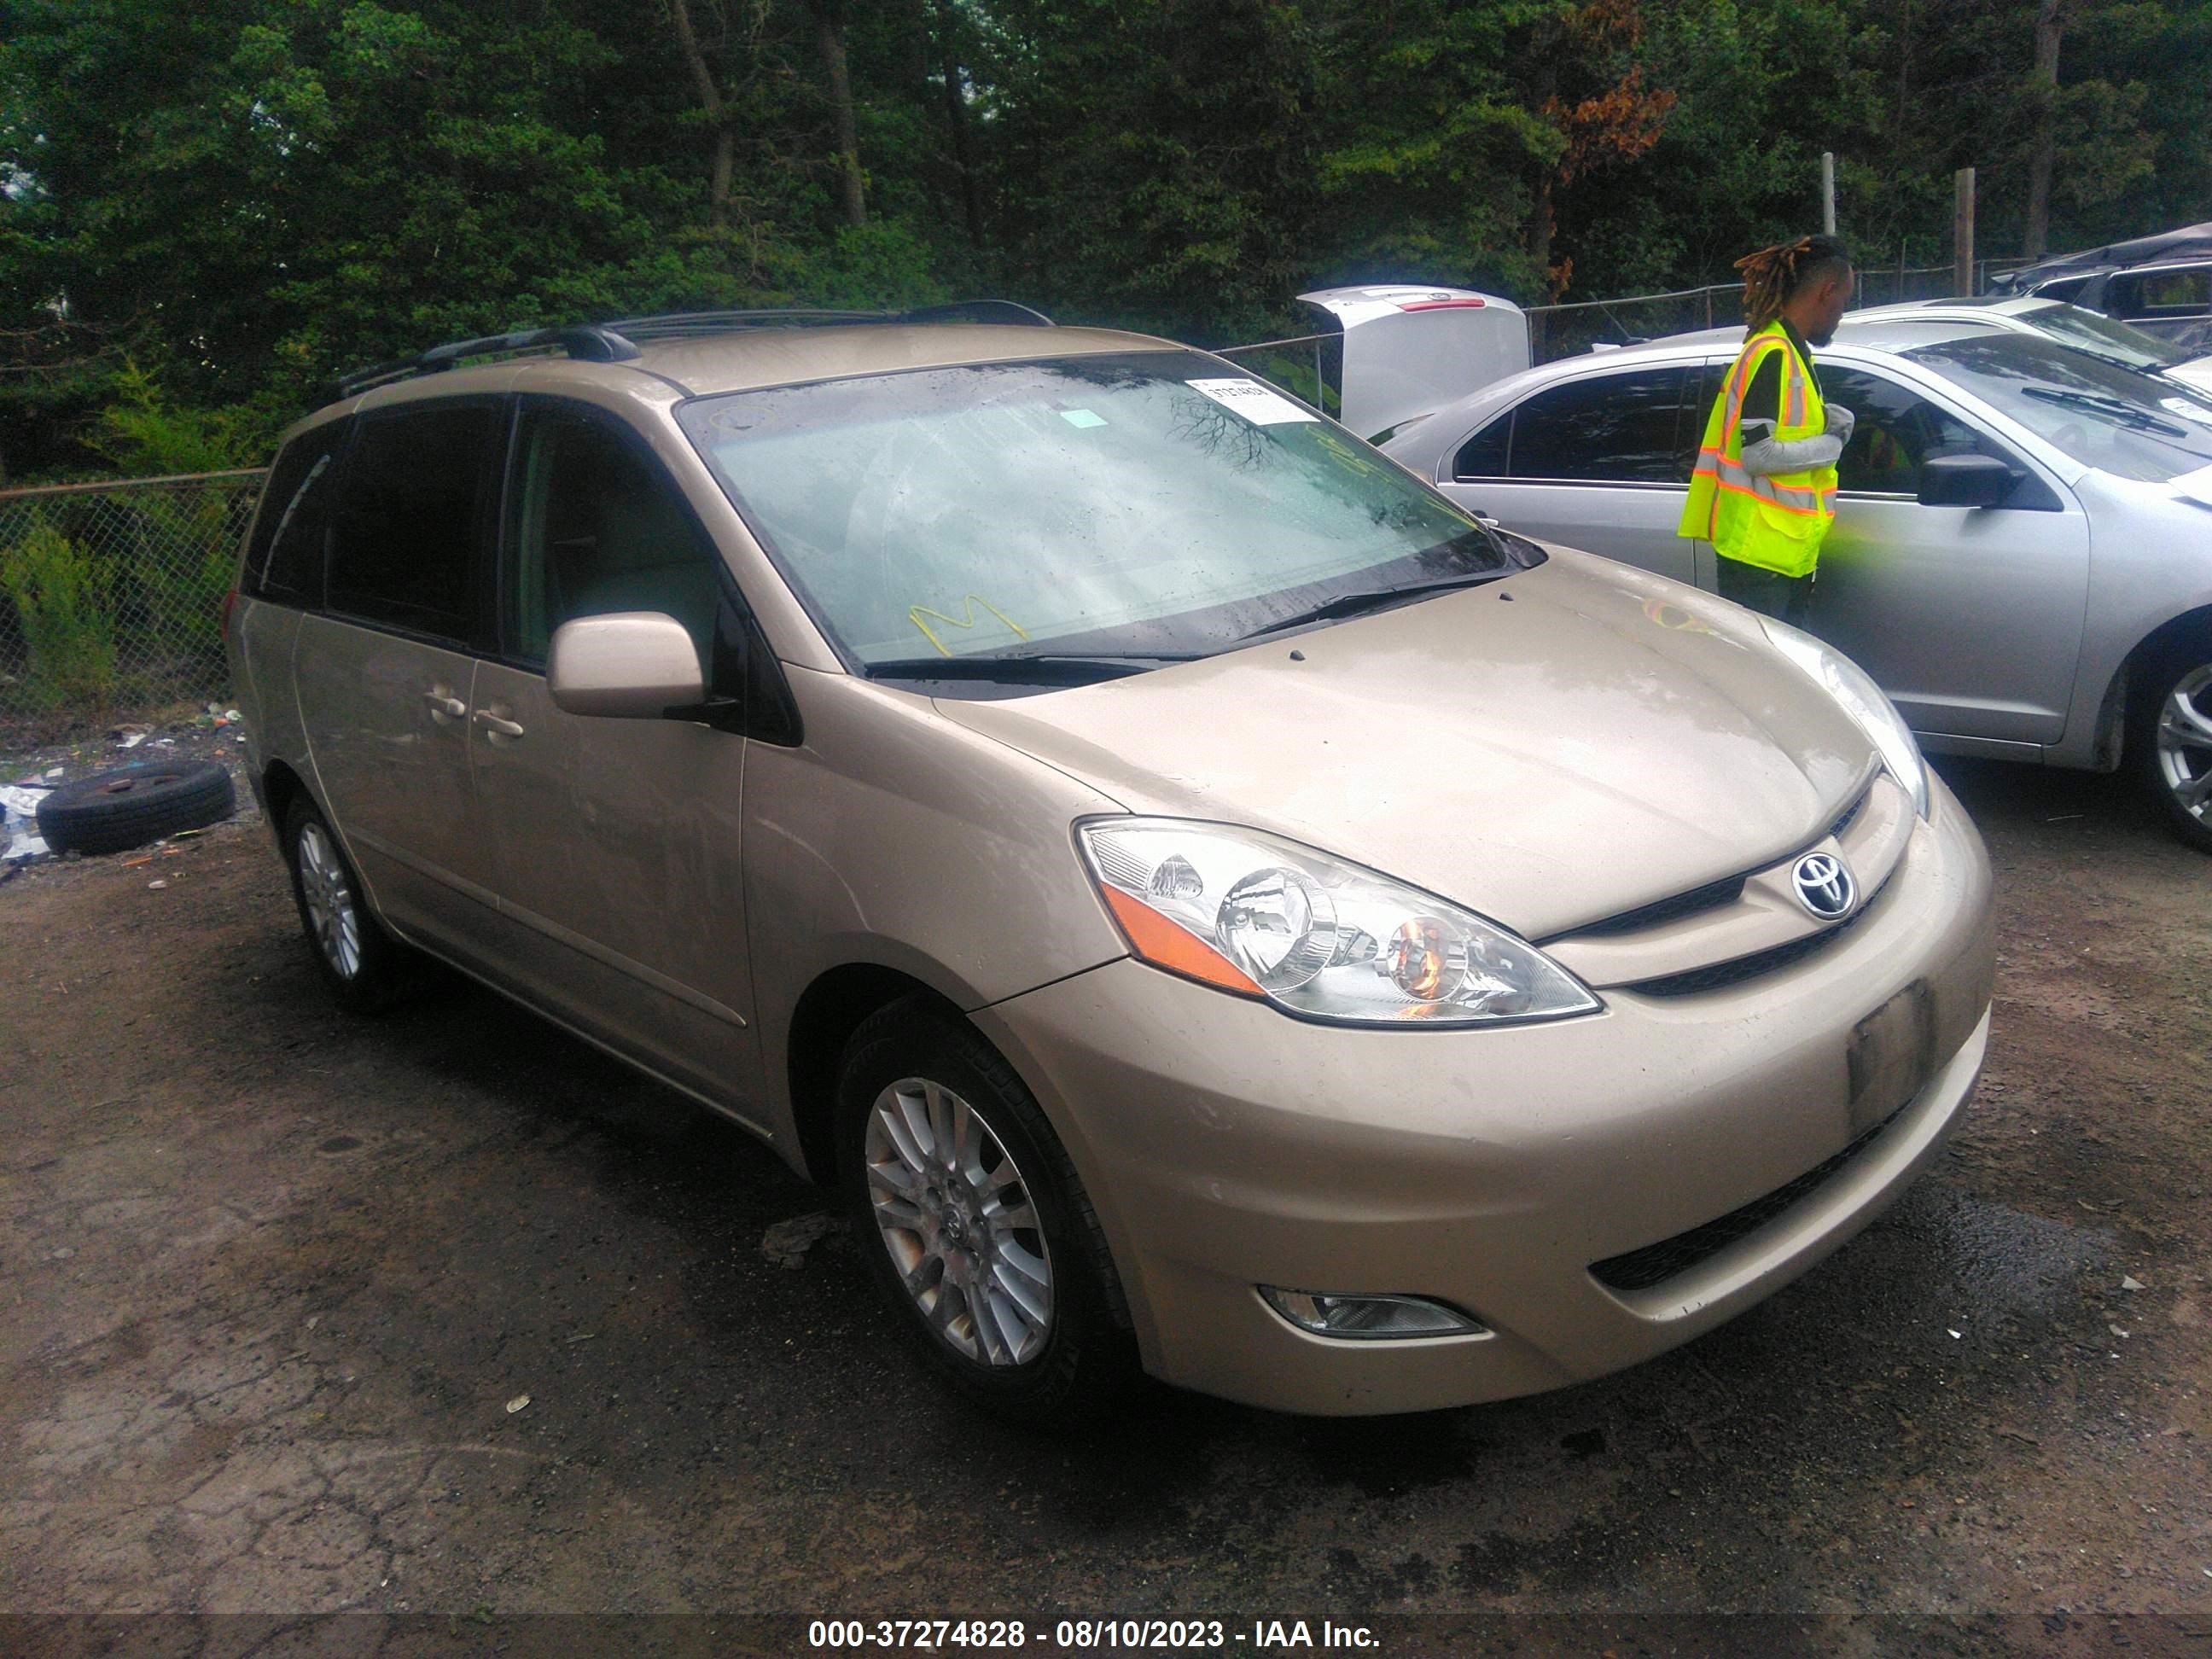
1255 402
2195 411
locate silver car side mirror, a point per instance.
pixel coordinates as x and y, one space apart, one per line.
634 665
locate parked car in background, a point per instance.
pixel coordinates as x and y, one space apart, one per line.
2162 283
1408 349
2022 552
1203 896
2068 323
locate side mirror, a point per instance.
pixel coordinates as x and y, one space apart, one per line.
634 665
1966 481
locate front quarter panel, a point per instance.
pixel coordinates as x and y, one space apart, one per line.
2150 561
896 838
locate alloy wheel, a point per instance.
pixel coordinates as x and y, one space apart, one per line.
957 1216
2185 744
332 917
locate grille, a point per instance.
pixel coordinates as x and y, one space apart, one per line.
1640 1270
1850 812
1711 897
1720 974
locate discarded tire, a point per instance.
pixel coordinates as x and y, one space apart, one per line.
131 806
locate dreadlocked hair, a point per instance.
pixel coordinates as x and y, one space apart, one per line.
1773 274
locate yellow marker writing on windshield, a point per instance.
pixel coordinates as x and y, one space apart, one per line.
1344 454
915 613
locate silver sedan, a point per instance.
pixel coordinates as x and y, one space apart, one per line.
2022 552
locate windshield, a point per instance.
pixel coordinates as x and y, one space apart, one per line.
1146 505
2102 414
2094 331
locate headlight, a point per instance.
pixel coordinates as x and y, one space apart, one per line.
1864 701
1253 914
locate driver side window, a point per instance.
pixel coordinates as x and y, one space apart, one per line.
1897 429
599 529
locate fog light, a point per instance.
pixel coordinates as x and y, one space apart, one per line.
1369 1316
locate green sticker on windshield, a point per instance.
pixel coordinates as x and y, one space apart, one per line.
1081 417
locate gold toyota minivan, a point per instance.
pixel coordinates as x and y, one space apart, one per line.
1208 903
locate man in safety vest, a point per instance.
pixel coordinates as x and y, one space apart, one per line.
1763 493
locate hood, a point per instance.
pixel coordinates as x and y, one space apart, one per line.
1549 749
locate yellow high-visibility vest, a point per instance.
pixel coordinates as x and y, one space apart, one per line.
1774 521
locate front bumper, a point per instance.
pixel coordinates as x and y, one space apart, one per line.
1226 1145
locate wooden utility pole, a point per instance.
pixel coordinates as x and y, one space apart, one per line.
1962 232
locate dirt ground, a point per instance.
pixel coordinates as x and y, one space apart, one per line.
443 1314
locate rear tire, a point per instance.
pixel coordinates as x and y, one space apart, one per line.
364 968
2170 743
976 1230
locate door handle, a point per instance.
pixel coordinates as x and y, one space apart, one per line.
497 725
444 705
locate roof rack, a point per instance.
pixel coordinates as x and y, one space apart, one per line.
616 342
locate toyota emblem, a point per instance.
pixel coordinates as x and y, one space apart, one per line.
1824 886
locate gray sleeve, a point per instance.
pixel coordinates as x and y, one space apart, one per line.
1768 455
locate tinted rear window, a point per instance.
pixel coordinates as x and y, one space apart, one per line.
284 561
412 518
1628 428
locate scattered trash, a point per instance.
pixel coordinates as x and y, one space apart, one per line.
131 740
2117 1331
156 885
2129 1282
143 858
232 716
19 808
581 1336
1955 1335
517 1404
62 1254
54 772
787 1242
314 1319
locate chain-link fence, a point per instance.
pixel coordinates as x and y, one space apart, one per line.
111 594
1557 331
1308 366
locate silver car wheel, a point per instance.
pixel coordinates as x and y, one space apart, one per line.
331 915
957 1217
2184 743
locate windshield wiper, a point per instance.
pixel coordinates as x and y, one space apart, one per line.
1031 667
2113 409
1365 600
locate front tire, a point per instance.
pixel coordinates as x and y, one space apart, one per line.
364 968
977 1231
2171 745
